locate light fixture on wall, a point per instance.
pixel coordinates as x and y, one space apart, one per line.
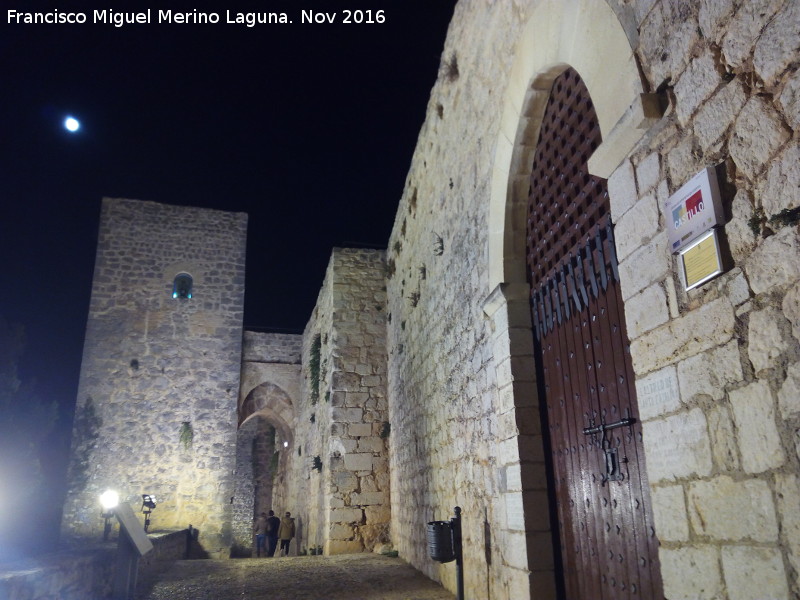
109 501
148 504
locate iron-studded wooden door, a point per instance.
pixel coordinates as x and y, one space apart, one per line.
602 503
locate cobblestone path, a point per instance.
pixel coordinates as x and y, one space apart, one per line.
341 577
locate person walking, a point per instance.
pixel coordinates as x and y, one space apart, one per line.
273 524
286 532
260 529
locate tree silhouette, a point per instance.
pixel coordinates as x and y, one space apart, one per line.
25 421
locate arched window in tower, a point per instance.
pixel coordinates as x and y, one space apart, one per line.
182 286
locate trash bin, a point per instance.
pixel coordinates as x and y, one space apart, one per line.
440 541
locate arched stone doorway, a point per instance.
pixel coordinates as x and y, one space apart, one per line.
586 35
263 447
586 387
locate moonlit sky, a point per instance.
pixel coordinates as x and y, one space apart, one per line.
309 129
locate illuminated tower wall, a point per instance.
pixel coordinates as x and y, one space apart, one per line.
156 407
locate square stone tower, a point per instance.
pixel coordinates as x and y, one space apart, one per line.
157 400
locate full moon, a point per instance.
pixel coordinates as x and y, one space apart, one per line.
72 124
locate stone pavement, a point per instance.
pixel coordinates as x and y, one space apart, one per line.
340 577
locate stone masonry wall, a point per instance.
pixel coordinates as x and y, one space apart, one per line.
284 348
718 368
444 449
348 496
86 572
156 408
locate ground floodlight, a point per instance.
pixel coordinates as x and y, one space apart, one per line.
109 500
148 504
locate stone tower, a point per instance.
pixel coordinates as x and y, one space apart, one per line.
157 401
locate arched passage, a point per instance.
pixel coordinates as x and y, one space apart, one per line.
263 446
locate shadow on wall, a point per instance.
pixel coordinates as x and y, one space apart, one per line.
87 428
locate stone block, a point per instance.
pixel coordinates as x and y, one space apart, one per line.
744 28
359 429
767 340
648 172
345 481
372 381
691 573
347 415
741 237
646 310
657 393
677 446
356 399
719 113
347 515
723 439
508 452
710 325
338 399
727 510
644 266
787 491
754 572
669 513
371 444
789 394
713 17
776 48
636 227
341 531
781 189
515 511
682 160
358 461
515 549
757 135
347 382
381 513
789 100
666 38
759 440
369 498
622 190
775 262
709 372
791 308
695 85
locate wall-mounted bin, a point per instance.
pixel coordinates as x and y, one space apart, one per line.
440 541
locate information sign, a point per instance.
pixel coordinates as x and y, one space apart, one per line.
701 260
694 209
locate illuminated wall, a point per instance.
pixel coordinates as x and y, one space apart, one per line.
157 401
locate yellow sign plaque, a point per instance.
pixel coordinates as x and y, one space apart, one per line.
701 260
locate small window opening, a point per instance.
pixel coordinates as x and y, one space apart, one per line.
182 286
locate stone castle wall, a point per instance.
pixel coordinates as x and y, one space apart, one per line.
346 497
717 368
156 409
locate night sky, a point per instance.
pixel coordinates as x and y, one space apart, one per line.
309 128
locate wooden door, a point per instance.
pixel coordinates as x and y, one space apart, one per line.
602 503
